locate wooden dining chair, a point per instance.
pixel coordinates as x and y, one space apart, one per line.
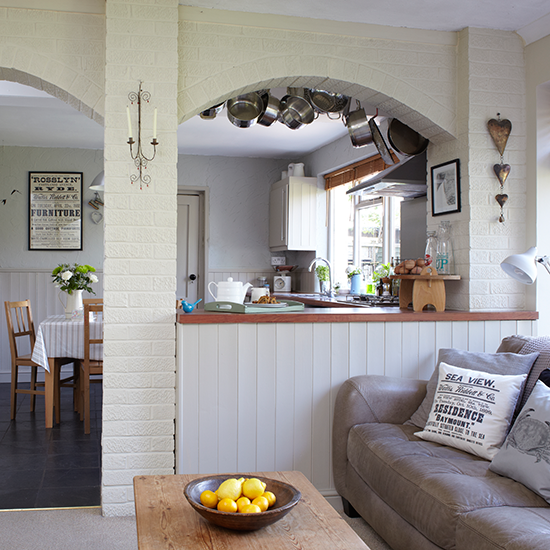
89 367
21 330
94 301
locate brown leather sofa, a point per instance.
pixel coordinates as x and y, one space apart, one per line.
420 495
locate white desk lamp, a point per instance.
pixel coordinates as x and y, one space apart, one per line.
523 267
99 182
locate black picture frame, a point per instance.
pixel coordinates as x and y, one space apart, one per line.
55 210
446 188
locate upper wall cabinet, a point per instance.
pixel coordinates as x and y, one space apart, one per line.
293 214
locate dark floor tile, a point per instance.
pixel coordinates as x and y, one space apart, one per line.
21 479
79 477
52 497
10 462
82 460
74 446
18 498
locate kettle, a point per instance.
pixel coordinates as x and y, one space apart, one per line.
229 291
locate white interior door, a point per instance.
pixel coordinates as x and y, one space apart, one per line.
189 270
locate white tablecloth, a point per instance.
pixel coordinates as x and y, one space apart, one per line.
60 337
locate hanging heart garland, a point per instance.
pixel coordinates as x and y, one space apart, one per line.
502 171
501 199
500 131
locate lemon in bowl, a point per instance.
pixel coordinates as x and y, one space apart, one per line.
285 497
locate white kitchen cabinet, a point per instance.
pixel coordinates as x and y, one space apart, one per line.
293 214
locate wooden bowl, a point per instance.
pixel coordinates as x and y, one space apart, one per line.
287 497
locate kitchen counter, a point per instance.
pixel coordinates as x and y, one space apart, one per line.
255 392
349 314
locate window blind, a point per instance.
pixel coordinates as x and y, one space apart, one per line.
357 171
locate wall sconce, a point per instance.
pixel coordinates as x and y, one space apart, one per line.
523 267
140 160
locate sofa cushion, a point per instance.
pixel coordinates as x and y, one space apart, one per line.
495 363
428 484
542 346
525 456
472 410
504 529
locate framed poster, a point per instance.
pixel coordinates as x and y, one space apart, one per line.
446 188
55 210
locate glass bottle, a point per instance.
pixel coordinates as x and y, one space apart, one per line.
431 248
444 263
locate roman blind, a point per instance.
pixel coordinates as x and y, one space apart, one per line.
357 171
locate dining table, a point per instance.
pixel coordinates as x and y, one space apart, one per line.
60 337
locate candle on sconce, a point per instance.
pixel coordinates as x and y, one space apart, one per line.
155 123
129 122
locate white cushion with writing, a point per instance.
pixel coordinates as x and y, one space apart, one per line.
472 410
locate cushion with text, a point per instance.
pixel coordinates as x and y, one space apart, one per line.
496 363
525 455
472 410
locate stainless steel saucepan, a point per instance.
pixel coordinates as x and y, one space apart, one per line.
405 140
271 110
244 110
358 127
296 111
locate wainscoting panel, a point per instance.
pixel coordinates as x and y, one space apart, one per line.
35 285
260 397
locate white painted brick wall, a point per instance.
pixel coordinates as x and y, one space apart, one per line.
417 81
140 252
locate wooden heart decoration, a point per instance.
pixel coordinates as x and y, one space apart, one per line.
500 130
502 171
501 199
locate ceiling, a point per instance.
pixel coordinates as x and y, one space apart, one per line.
32 118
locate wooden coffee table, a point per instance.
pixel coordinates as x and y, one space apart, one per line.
165 520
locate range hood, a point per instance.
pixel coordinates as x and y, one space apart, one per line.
406 179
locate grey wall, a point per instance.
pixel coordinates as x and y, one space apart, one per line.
239 205
16 163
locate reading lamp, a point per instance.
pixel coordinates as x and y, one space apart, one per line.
523 267
99 182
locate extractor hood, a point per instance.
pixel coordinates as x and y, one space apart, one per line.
406 179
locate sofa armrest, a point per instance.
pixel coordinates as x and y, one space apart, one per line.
370 398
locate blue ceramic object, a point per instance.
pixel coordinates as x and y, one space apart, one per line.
355 284
187 307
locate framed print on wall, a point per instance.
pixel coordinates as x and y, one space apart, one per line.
446 188
55 210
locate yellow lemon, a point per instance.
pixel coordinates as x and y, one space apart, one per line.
209 499
227 505
243 501
253 488
270 498
230 488
262 503
251 509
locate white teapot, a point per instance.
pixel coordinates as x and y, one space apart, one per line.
229 291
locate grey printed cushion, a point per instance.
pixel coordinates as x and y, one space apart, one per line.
540 344
472 410
495 363
525 455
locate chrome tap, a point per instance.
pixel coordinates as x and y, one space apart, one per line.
330 292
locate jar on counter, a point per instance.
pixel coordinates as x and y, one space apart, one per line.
444 264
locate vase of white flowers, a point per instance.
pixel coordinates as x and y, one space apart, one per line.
73 280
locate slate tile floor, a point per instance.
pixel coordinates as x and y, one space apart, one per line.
54 468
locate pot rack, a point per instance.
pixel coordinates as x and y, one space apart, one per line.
302 106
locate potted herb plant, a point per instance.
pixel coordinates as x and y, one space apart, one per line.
354 277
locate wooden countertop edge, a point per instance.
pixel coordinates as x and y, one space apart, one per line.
351 315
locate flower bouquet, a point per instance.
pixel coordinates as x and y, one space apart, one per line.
76 277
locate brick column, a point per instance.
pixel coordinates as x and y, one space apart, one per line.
140 251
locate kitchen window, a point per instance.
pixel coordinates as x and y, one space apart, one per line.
364 231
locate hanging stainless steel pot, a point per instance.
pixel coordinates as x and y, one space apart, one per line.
327 102
405 140
379 142
210 114
244 110
271 110
358 127
295 112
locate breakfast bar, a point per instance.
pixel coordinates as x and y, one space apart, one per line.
255 392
